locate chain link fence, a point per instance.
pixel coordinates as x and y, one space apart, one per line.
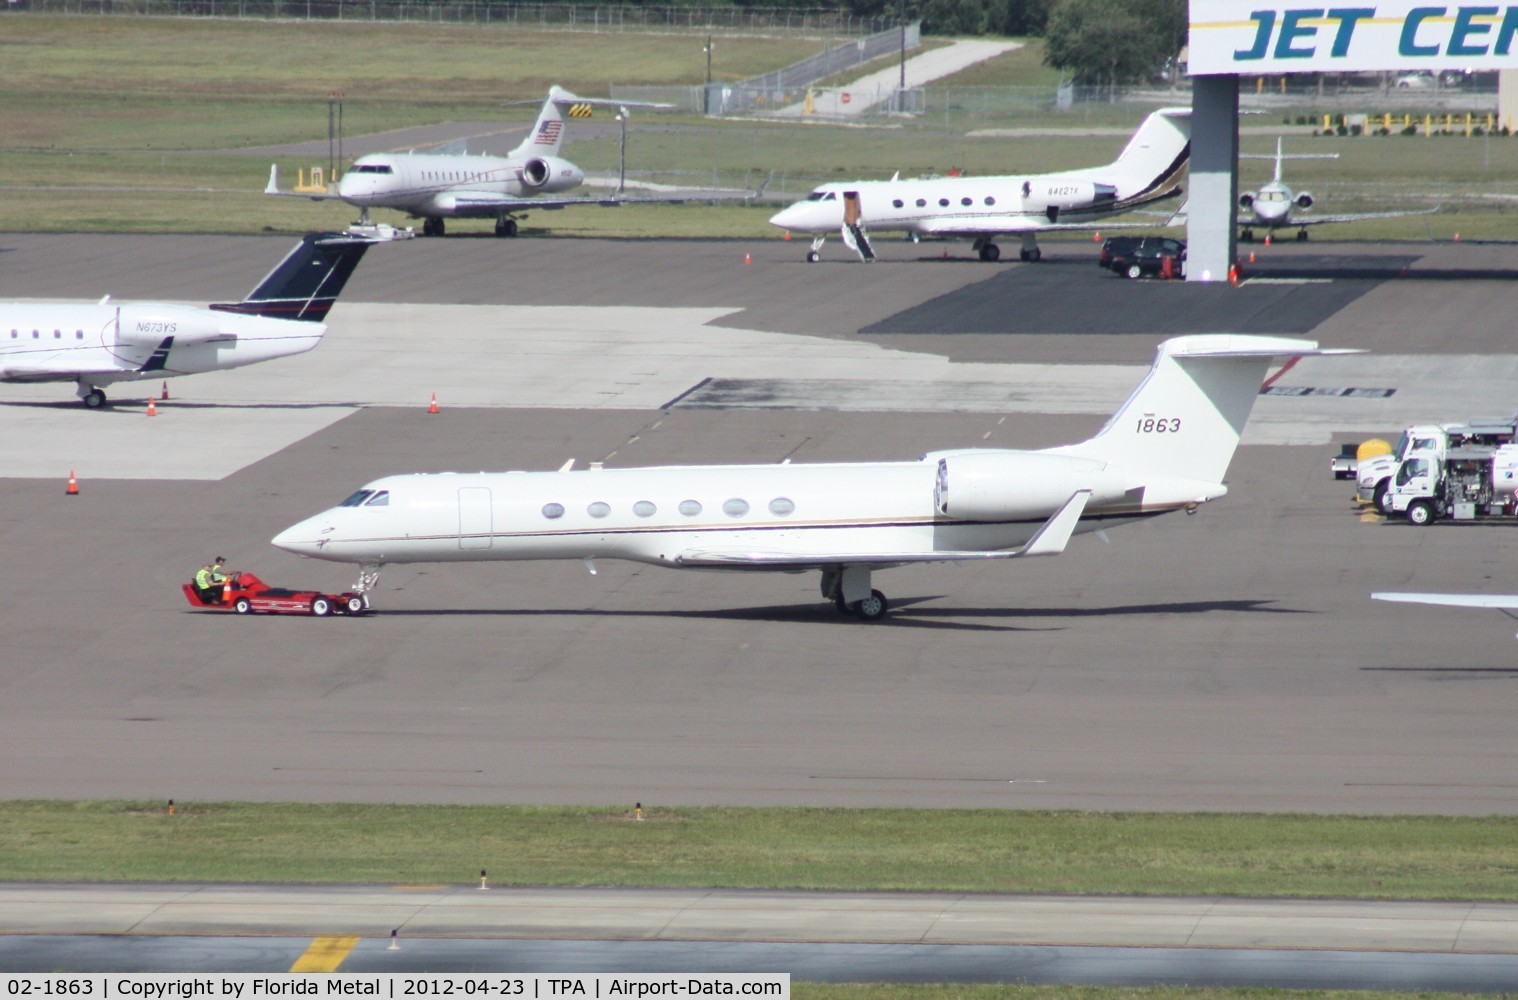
567 17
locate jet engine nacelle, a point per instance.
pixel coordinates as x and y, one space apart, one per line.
1246 200
148 325
988 485
1055 195
1303 200
549 173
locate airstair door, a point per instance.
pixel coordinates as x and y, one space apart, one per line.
851 208
475 522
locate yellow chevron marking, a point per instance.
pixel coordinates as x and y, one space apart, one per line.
580 110
325 954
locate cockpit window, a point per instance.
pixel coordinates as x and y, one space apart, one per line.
357 498
372 168
380 499
816 195
831 196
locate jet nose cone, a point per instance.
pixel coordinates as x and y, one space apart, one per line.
304 539
787 218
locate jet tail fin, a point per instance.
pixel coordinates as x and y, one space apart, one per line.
307 282
1186 417
1154 157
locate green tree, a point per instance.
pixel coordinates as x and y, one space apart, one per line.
1108 41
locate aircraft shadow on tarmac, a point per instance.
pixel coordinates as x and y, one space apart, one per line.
906 612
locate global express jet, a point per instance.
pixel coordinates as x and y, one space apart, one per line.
985 208
438 186
1165 450
96 345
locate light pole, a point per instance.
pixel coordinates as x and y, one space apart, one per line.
901 87
622 162
706 94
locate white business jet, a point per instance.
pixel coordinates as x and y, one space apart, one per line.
1270 208
983 208
1166 449
94 345
438 186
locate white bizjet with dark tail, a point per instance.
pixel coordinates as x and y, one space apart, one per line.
94 345
1166 449
1270 208
438 186
985 208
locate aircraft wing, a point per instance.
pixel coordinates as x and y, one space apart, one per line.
1502 602
1050 540
1299 222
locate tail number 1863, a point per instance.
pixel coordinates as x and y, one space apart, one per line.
1159 425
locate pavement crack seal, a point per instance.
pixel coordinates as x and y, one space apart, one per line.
682 911
159 908
1201 919
943 911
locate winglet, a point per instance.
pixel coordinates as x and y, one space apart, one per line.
1051 539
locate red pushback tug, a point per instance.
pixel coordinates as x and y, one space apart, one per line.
246 593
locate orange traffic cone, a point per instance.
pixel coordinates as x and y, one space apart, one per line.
432 408
1267 239
747 259
1233 275
165 391
73 487
1096 237
152 408
787 235
1251 256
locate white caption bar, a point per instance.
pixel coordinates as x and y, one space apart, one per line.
392 986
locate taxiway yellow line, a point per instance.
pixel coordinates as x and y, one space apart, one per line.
325 954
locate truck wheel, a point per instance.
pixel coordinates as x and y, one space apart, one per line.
1379 497
1420 513
321 607
242 606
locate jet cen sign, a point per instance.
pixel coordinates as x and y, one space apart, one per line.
1249 37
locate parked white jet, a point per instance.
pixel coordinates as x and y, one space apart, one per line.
1270 207
1166 449
438 186
96 345
983 208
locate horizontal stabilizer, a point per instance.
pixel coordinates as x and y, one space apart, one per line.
1501 602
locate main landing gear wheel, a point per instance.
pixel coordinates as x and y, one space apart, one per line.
505 227
321 607
991 252
872 608
1301 236
1031 255
94 399
433 227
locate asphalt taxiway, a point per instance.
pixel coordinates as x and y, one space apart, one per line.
1230 660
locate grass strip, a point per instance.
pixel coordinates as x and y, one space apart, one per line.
842 849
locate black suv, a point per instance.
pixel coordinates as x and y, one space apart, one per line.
1146 255
1117 250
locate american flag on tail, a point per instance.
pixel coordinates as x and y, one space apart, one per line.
548 133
